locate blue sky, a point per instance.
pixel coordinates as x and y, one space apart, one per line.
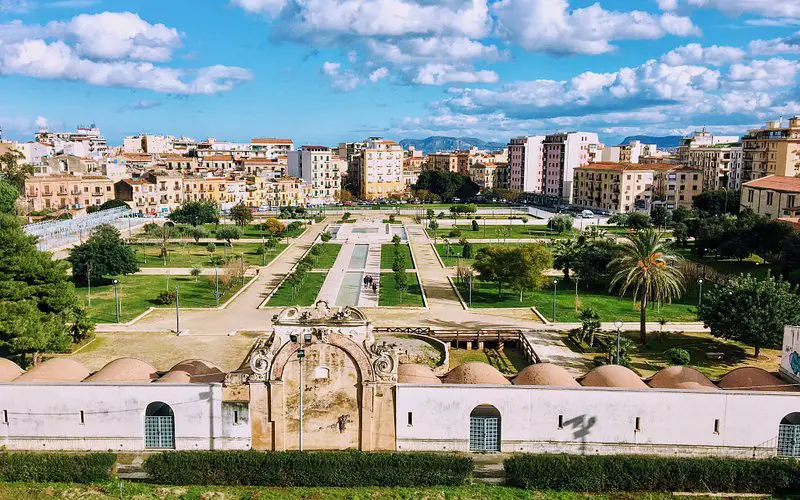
324 71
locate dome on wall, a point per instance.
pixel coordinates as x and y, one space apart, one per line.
55 370
416 373
200 370
9 370
681 377
475 372
175 377
124 370
545 374
613 376
752 378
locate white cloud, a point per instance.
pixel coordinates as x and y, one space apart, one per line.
441 74
774 46
42 122
378 74
767 8
14 6
432 49
271 7
760 75
345 80
667 4
694 53
549 26
774 22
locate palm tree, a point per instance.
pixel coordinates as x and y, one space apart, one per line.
647 265
564 255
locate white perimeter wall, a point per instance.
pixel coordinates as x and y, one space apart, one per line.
596 420
45 417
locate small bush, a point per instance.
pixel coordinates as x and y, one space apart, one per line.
56 467
166 297
326 236
634 473
308 469
677 356
475 225
454 233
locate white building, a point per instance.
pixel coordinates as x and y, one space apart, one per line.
526 163
563 153
320 169
86 142
736 167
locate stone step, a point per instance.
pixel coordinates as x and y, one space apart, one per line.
490 480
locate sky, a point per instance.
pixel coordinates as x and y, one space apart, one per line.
325 71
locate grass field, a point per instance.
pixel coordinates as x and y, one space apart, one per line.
390 296
753 265
196 254
508 361
387 256
610 307
328 256
144 491
450 260
304 296
138 292
501 231
251 231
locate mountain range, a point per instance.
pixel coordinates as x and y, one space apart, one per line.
441 143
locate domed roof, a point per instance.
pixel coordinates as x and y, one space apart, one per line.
175 377
9 370
200 370
475 372
124 370
55 370
681 377
545 374
415 373
613 376
752 378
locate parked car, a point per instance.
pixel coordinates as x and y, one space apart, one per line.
587 214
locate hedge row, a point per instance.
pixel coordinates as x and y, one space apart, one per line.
637 473
56 467
323 468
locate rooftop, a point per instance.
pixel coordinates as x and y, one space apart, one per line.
270 140
776 183
627 166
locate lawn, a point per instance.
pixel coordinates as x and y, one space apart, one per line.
328 256
390 296
306 295
387 256
138 292
450 259
753 265
144 491
650 358
610 307
508 361
196 254
252 231
500 231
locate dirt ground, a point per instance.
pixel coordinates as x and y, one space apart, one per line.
163 350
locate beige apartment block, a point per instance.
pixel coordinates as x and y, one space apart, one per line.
412 167
774 150
381 170
215 163
181 163
487 175
677 186
617 187
773 196
457 162
73 192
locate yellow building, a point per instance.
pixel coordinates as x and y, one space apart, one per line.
677 186
486 175
72 192
773 196
457 162
380 170
616 187
773 150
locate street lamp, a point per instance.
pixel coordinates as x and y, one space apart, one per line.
700 294
618 324
89 280
555 291
177 311
216 286
116 299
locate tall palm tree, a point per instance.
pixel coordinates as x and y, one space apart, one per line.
647 265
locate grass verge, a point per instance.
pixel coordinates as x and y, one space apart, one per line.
389 295
304 296
387 256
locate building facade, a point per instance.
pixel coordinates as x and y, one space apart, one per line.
772 196
563 153
379 170
614 187
66 192
677 187
773 150
320 169
526 163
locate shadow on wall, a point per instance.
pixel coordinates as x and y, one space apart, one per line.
582 426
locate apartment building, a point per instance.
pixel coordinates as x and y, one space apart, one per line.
773 196
563 153
286 192
627 153
736 167
155 193
264 167
487 175
320 169
379 170
271 148
675 185
69 165
614 187
526 163
62 191
181 163
86 141
456 161
773 150
412 167
217 163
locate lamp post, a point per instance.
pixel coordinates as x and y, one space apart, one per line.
470 289
301 353
89 280
555 292
216 286
177 311
242 266
116 299
700 294
576 294
618 324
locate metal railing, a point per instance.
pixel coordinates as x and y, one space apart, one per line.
57 233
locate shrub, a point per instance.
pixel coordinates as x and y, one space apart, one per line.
642 473
467 252
211 248
56 467
475 226
454 233
308 469
166 297
294 226
326 236
677 356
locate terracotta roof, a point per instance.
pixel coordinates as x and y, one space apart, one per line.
681 377
776 183
604 165
613 376
414 373
55 370
200 370
9 370
268 140
475 372
545 374
175 377
124 370
218 158
752 378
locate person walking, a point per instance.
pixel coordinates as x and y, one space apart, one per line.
374 288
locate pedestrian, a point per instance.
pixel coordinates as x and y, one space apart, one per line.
366 281
374 288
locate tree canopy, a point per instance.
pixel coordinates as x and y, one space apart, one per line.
8 197
241 214
521 267
447 185
720 202
751 310
103 254
195 213
13 171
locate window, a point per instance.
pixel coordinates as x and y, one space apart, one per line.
159 426
83 419
484 429
236 417
561 421
5 417
410 419
716 426
750 196
638 424
770 196
321 372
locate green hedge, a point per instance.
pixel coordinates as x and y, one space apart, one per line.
639 473
323 468
56 467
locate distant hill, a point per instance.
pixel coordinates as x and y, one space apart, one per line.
441 143
664 142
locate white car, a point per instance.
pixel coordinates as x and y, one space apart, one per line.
587 214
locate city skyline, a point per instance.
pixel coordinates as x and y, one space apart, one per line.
324 71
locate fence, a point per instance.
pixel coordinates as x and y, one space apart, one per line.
59 233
